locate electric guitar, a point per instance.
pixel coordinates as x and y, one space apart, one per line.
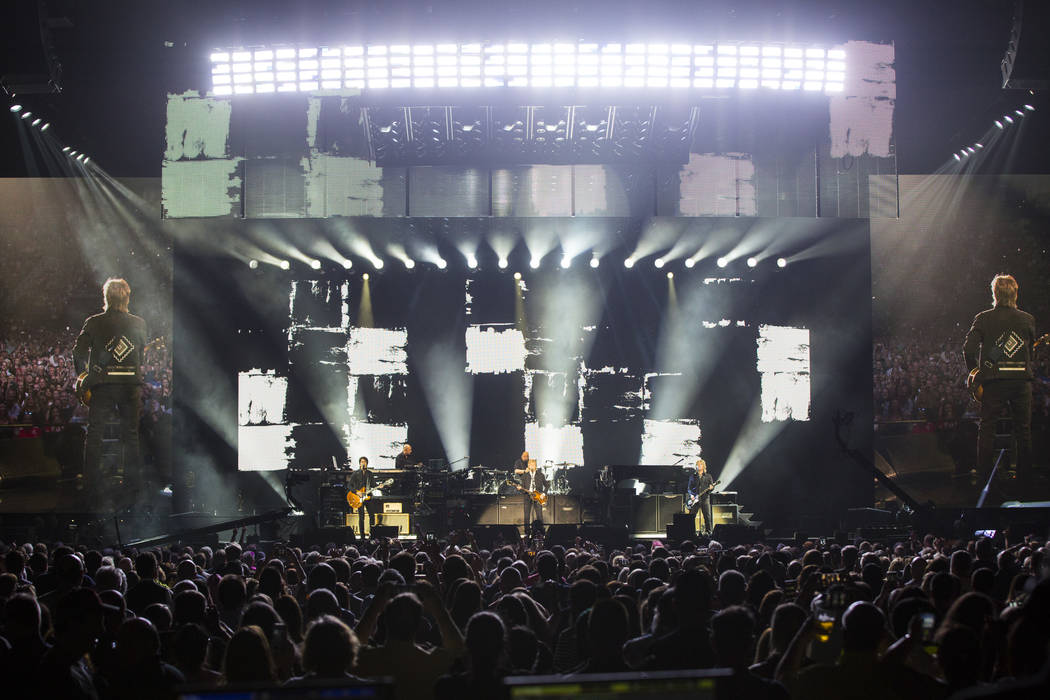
976 378
90 377
536 496
356 498
693 500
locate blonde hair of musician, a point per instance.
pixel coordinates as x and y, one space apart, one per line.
116 294
1004 291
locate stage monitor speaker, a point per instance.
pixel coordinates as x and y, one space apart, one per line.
564 534
388 531
492 536
682 528
402 521
608 536
725 514
732 535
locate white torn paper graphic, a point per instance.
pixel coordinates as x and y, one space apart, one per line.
263 447
670 442
379 442
556 445
377 351
260 397
491 351
784 365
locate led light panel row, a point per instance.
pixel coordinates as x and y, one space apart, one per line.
529 65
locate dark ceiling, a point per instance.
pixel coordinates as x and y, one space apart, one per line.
121 57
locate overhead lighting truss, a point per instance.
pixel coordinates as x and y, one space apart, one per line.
580 65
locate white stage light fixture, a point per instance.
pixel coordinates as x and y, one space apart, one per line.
65 149
46 126
26 115
752 262
365 277
472 262
348 263
782 262
566 262
722 262
16 108
670 275
503 262
979 145
285 265
36 121
87 160
253 264
410 263
689 262
315 264
628 263
595 262
956 156
1008 118
442 263
659 262
378 263
998 123
970 149
534 263
1018 112
1030 108
517 275
81 157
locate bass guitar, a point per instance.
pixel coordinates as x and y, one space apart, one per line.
90 377
356 498
976 379
693 500
536 496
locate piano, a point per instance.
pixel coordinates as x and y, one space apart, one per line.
657 478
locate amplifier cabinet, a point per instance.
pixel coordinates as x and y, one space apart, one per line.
725 513
401 520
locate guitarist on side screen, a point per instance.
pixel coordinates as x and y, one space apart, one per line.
700 482
999 345
363 480
110 349
531 480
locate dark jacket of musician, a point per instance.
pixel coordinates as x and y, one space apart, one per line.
361 479
534 481
698 482
1000 342
112 344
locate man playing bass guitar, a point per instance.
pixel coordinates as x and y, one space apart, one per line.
999 345
532 480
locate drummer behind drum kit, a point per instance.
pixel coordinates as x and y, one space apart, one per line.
486 480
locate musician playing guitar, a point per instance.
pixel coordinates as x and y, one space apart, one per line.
698 491
999 345
110 352
363 481
531 480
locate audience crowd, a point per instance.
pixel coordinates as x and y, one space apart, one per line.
926 618
36 378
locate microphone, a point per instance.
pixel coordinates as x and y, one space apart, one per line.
680 459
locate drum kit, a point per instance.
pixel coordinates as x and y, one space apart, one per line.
481 480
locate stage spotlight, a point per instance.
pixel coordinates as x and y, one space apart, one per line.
971 150
16 108
81 157
595 262
566 262
365 277
628 263
472 262
410 263
517 275
659 262
998 123
1006 117
378 263
722 262
26 115
752 262
1030 108
956 156
782 262
36 121
1018 112
670 275
87 159
534 263
46 126
253 264
73 154
442 263
689 262
979 145
348 263
285 265
503 262
65 149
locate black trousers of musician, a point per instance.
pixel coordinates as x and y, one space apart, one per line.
704 506
1015 394
108 400
530 507
361 519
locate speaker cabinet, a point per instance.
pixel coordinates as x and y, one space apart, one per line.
333 509
652 514
725 514
562 510
400 521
